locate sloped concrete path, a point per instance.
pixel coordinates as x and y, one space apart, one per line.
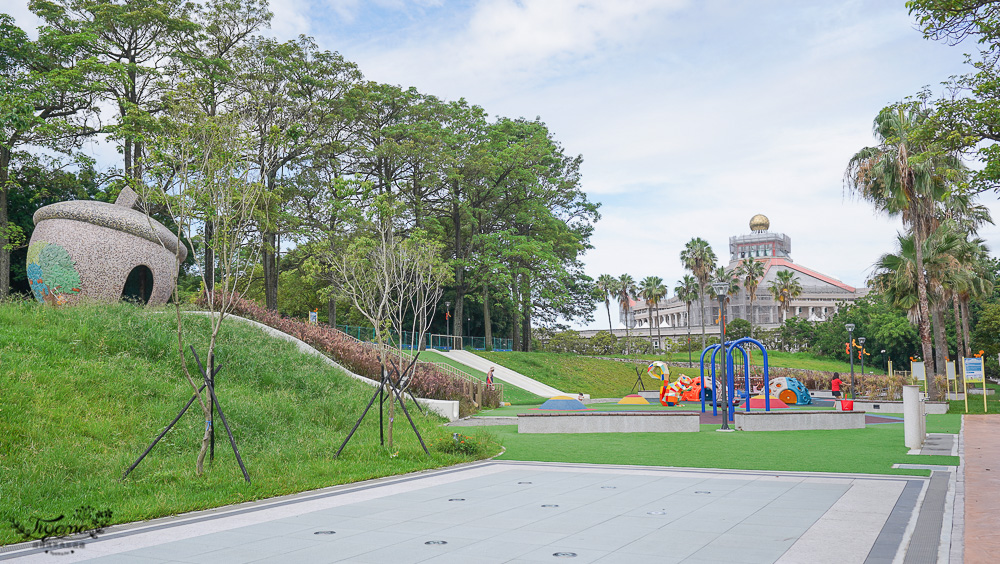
982 488
505 374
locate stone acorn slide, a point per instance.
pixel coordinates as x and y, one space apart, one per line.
504 374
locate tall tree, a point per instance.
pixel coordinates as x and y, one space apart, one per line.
785 288
45 100
627 291
652 291
687 291
699 258
903 176
134 41
608 285
752 272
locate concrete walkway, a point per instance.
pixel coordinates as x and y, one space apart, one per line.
505 374
510 511
982 488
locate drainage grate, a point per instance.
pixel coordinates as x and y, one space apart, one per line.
325 533
550 505
702 492
524 482
656 513
564 554
609 487
436 542
457 499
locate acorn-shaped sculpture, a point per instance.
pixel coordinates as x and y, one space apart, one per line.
88 249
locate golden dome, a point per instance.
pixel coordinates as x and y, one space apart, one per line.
759 223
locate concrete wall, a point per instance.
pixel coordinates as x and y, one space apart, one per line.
873 407
799 420
608 423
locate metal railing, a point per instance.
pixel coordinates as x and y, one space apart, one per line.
412 340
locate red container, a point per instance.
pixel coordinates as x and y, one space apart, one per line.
847 405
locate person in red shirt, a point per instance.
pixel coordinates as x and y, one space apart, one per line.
835 385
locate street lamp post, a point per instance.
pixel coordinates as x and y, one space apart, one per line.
447 322
720 290
850 347
884 363
861 341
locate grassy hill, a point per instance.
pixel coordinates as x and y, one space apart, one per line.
84 390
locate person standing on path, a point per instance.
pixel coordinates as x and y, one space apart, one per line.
489 379
835 385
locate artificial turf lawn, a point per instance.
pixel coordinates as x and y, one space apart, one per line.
872 450
83 391
511 393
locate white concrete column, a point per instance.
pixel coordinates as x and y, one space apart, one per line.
914 426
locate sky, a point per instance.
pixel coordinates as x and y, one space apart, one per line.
691 116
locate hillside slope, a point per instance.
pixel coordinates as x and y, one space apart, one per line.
84 390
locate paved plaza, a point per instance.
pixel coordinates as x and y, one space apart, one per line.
498 511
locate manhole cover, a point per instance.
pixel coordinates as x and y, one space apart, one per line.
436 542
656 513
564 554
325 533
550 505
457 499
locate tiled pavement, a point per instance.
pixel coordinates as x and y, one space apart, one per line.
982 488
540 512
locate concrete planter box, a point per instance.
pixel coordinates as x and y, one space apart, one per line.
979 391
932 407
799 420
627 422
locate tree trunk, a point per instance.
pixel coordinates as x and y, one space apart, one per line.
515 332
607 304
270 266
458 331
965 327
331 312
4 251
940 340
924 322
209 256
649 319
701 299
659 336
487 322
526 312
956 308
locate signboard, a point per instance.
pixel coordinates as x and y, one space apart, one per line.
973 369
917 369
314 317
950 369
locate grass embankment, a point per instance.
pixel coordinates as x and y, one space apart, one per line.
572 373
872 450
511 393
86 389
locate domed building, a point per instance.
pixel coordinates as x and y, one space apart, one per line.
821 295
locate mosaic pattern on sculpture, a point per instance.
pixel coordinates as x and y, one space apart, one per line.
51 273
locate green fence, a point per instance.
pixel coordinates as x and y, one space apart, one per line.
440 342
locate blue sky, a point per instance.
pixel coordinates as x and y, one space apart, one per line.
691 116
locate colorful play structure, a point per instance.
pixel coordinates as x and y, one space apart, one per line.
685 388
780 393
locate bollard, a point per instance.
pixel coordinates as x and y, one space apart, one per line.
914 422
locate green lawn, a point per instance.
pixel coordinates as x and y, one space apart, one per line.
83 390
872 450
511 393
975 404
601 378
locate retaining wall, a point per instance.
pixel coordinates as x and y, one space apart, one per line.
931 407
799 420
620 422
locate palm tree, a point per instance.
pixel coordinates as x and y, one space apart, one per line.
626 291
752 272
784 289
890 178
699 258
687 291
652 290
608 285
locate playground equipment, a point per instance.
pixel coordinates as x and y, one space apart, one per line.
633 399
563 403
729 383
790 391
672 394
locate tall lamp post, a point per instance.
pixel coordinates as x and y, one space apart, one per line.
850 346
884 363
447 322
720 290
861 341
